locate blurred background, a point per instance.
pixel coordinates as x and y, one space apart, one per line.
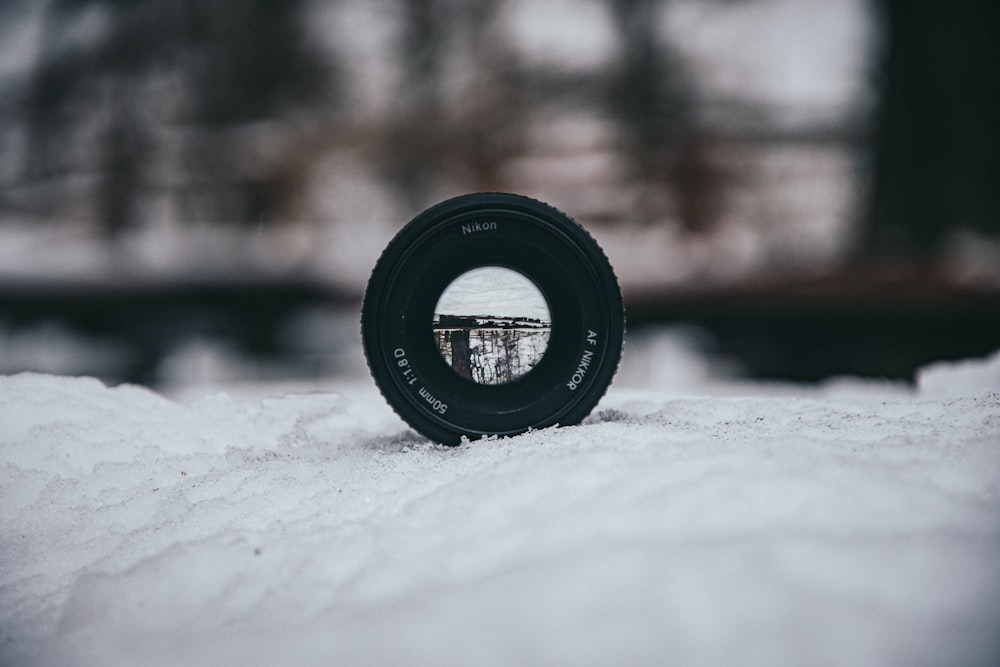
196 191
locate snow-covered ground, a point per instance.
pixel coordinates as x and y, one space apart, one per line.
691 520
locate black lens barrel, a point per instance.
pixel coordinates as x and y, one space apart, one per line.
499 230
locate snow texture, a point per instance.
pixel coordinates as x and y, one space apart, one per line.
849 524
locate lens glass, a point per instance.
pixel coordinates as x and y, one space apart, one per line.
492 325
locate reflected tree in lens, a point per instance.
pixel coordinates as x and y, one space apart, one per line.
492 325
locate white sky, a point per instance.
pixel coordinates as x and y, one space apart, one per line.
493 290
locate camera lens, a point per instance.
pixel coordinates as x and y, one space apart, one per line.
492 314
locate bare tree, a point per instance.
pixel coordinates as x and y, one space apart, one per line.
938 144
230 63
652 99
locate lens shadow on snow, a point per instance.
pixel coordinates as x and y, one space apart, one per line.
400 442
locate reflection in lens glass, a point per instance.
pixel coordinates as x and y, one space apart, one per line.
492 325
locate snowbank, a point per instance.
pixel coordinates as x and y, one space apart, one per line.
829 527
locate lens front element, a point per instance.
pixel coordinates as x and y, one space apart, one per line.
491 325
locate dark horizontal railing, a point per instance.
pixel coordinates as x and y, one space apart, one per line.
868 323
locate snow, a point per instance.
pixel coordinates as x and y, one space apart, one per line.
691 520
